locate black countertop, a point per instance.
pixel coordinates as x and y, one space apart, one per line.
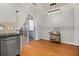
8 35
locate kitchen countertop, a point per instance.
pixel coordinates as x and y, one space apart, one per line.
6 35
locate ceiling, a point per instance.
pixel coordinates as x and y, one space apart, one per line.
41 7
47 5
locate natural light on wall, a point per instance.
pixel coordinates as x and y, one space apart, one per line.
6 27
31 25
1 28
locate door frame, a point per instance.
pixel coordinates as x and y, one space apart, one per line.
28 18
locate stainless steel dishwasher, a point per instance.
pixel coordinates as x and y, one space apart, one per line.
10 46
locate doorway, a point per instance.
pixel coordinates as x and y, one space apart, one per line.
31 30
28 29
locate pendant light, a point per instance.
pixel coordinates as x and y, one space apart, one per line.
53 9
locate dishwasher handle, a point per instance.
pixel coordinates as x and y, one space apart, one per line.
10 38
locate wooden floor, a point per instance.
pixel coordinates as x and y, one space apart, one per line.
46 48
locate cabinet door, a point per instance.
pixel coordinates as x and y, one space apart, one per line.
18 44
9 46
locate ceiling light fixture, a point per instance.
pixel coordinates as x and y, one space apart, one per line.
53 9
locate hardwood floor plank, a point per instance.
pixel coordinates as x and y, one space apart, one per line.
47 48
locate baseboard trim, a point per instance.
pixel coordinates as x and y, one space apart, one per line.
43 39
75 44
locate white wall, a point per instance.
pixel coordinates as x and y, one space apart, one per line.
23 12
39 16
42 27
8 13
67 21
59 20
76 24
